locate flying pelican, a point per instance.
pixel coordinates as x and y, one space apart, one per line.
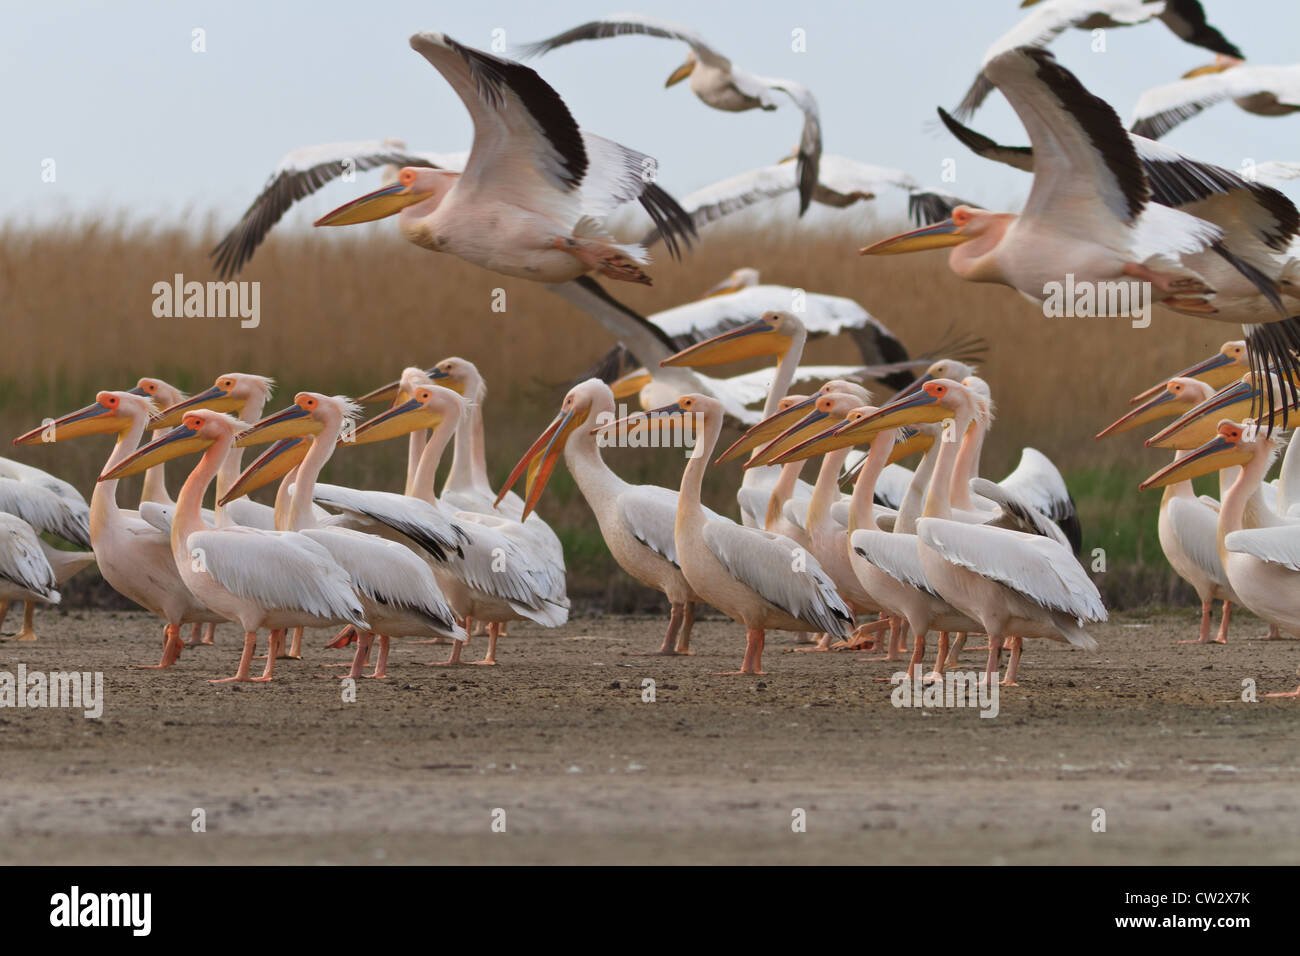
1262 90
1088 212
50 505
715 80
1047 21
1186 526
397 590
1015 584
530 200
1262 564
490 568
755 577
262 579
134 556
303 171
636 521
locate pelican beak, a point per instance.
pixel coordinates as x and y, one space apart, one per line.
215 398
813 425
1216 371
94 419
541 457
630 384
937 236
725 287
390 393
397 421
1220 64
915 386
380 204
832 438
439 377
915 409
1197 426
654 418
1221 451
276 462
293 422
1160 406
747 341
910 442
177 442
766 430
679 74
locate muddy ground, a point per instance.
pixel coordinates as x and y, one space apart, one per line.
557 736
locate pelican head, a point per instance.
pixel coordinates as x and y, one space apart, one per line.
975 232
933 402
745 277
693 411
461 376
229 393
419 189
397 391
540 459
111 413
828 410
1232 444
1221 63
309 415
683 71
199 430
163 394
1224 366
773 334
1178 396
1233 401
838 435
788 411
277 461
944 368
428 407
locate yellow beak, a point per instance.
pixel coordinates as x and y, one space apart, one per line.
541 458
397 421
917 408
747 341
177 442
1199 425
937 236
812 425
380 204
1213 455
1216 371
217 399
630 384
681 73
1162 405
274 463
292 422
94 419
766 430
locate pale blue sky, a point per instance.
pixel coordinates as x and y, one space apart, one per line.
136 121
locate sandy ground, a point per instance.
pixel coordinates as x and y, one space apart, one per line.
558 739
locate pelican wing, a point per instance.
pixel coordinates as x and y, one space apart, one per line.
630 24
821 314
650 513
895 554
301 173
1195 525
422 523
22 562
1162 108
277 569
1038 482
810 140
504 562
1279 545
390 575
1015 513
46 509
1040 569
782 573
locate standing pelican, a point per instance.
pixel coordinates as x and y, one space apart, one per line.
535 188
636 521
716 81
756 578
262 579
25 573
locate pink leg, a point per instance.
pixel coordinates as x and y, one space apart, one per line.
1274 634
245 661
490 658
688 621
381 662
940 659
1014 666
295 649
753 662
209 634
172 647
669 646
995 658
452 660
362 652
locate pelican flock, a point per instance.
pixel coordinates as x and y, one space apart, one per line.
911 550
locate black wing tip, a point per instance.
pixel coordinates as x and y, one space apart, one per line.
1273 347
979 91
672 223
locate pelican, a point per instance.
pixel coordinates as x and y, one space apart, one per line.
25 573
1050 18
1262 90
1223 367
303 171
636 521
490 568
759 579
1186 526
45 504
530 200
1088 213
262 579
1015 584
716 81
1262 564
134 556
397 590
